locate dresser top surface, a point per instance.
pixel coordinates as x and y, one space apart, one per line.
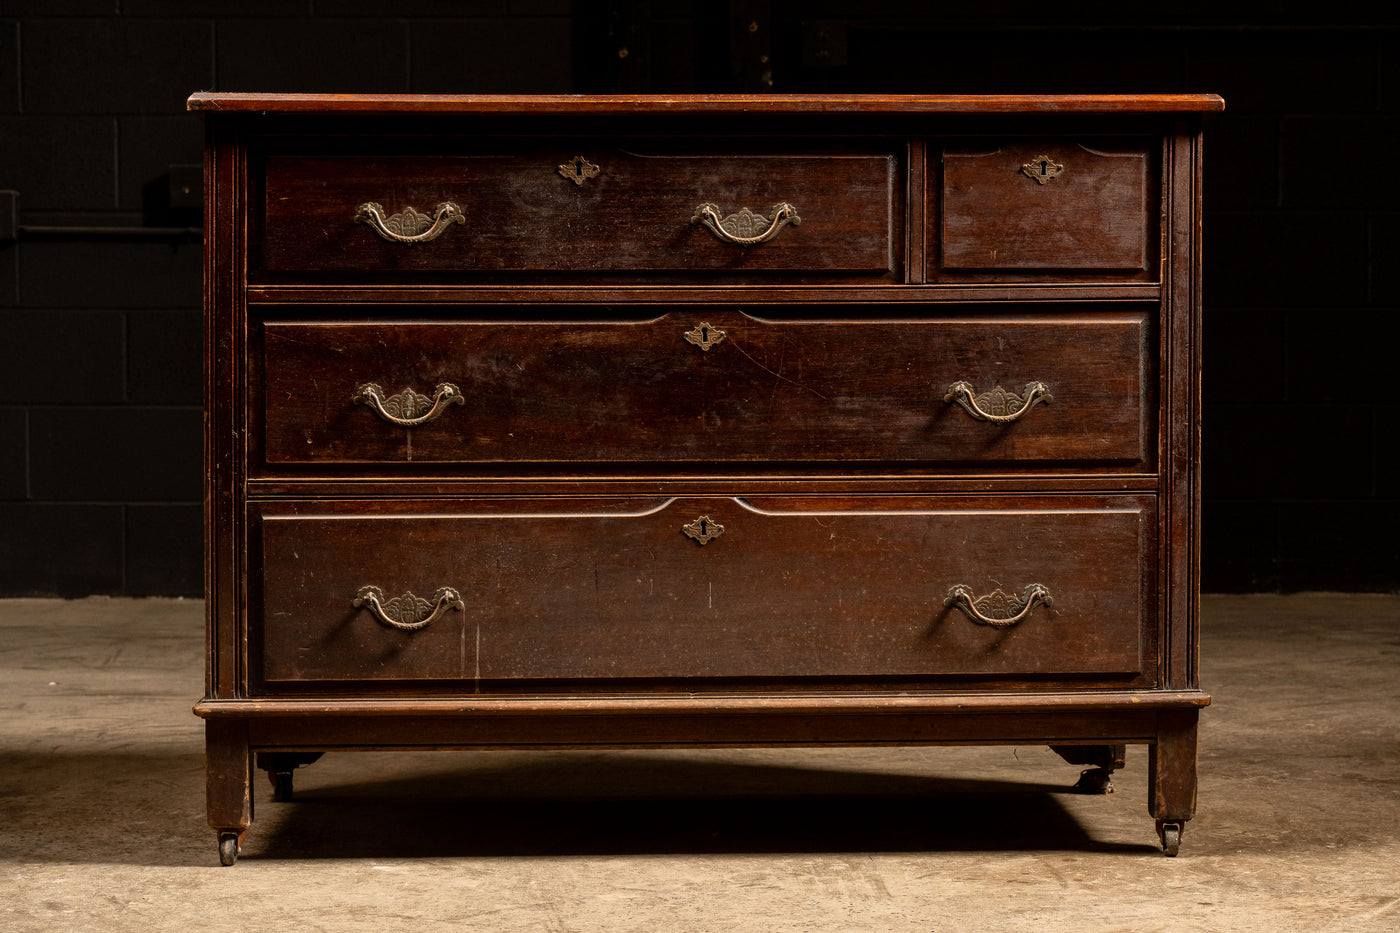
231 102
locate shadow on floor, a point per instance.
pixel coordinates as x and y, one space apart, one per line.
147 809
653 805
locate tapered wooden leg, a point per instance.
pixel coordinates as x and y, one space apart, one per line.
228 773
1171 765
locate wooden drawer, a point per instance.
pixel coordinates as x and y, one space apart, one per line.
561 594
539 208
770 390
1051 204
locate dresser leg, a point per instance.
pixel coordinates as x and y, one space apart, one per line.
1105 758
228 770
279 767
1171 765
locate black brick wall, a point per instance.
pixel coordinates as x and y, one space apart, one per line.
100 361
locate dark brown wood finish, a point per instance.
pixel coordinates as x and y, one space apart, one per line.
691 104
521 214
1050 288
312 729
831 389
542 519
1048 204
225 413
589 593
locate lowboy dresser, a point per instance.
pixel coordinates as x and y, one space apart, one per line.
712 421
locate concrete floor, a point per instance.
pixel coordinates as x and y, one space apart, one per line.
102 824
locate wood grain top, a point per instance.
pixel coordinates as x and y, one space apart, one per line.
229 102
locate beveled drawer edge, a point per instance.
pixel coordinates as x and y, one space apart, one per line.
668 704
686 104
680 484
696 294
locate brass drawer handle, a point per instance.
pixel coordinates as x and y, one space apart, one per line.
408 613
746 228
409 226
408 409
998 406
997 609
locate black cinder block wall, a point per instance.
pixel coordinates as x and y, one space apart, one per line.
100 437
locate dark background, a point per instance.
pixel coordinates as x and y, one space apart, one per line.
100 436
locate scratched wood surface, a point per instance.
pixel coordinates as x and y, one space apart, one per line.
1078 206
852 494
833 389
522 215
589 595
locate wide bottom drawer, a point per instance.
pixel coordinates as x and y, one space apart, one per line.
502 595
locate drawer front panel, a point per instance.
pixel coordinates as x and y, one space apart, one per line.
1030 205
576 591
641 211
765 390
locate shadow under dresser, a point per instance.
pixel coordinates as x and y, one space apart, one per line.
586 422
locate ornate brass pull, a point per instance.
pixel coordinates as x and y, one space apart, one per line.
408 613
408 409
703 530
998 406
746 228
409 226
997 609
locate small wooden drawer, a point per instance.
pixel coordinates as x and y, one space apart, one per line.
1055 204
709 387
501 595
579 206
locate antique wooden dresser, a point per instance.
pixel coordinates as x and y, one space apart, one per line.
715 421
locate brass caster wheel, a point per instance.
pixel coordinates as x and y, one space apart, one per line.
1170 832
228 848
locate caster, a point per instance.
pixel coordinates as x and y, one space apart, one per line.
1094 781
228 848
281 785
1170 833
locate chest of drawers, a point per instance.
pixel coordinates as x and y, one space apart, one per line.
718 421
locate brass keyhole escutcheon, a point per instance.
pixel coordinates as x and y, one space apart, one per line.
1042 169
703 530
704 335
578 170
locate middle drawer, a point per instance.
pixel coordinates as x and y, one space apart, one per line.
707 387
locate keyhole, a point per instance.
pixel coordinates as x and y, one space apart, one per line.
704 528
704 334
1043 166
578 168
